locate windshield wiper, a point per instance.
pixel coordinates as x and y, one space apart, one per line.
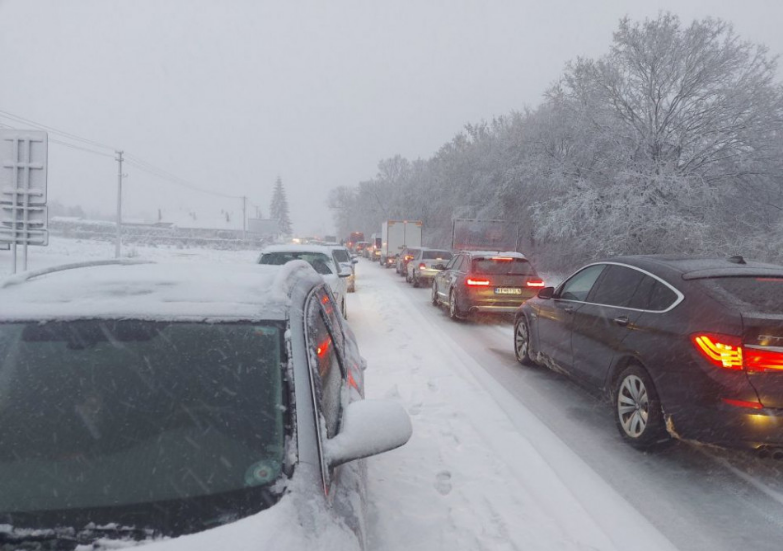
65 538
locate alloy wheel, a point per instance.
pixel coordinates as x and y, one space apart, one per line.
633 406
522 342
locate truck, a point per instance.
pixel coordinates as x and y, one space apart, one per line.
353 239
397 235
484 235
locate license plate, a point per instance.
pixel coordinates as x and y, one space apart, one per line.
508 291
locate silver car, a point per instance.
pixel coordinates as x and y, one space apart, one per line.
144 401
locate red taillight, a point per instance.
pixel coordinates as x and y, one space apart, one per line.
477 282
743 403
758 359
422 266
408 257
720 350
534 283
727 351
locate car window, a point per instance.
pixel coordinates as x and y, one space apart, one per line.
641 296
580 284
341 255
502 266
757 294
319 261
436 255
452 263
325 367
616 286
662 297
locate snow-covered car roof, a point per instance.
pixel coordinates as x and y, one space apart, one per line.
506 254
142 290
324 249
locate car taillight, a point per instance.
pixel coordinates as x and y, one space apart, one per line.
727 351
408 258
534 283
758 359
422 266
720 350
477 282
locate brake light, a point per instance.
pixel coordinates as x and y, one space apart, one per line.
534 283
408 257
720 350
757 359
477 282
422 266
743 403
502 258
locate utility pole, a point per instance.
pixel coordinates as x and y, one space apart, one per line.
118 245
244 218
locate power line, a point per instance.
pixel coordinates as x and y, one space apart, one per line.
138 162
53 130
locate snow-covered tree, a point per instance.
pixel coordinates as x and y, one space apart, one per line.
278 210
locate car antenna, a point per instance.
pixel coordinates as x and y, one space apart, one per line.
737 260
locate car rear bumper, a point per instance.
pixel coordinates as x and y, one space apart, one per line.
494 308
729 426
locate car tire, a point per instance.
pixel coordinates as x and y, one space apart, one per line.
522 342
415 281
345 310
407 278
454 311
637 409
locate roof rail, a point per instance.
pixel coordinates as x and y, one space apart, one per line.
27 276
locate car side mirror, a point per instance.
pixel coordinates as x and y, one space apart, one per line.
369 427
355 260
439 266
345 272
546 293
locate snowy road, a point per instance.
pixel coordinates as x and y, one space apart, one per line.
511 457
506 457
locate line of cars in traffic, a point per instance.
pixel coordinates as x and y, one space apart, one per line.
683 347
141 401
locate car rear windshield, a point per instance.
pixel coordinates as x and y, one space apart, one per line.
319 262
502 266
757 294
341 255
98 414
436 255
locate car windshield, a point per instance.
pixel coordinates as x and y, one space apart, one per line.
111 414
436 255
502 266
320 262
756 294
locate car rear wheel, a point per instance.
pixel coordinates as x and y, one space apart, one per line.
345 310
415 280
454 312
522 342
638 411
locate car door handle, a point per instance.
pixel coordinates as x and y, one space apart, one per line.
622 321
568 309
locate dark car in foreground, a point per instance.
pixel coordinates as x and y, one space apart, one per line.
142 401
485 281
686 347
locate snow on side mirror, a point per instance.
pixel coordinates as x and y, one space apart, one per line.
370 427
546 292
355 260
344 272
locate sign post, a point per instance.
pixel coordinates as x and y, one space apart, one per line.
24 217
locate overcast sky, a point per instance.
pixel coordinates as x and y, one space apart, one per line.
229 94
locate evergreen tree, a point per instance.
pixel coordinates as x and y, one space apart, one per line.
278 210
